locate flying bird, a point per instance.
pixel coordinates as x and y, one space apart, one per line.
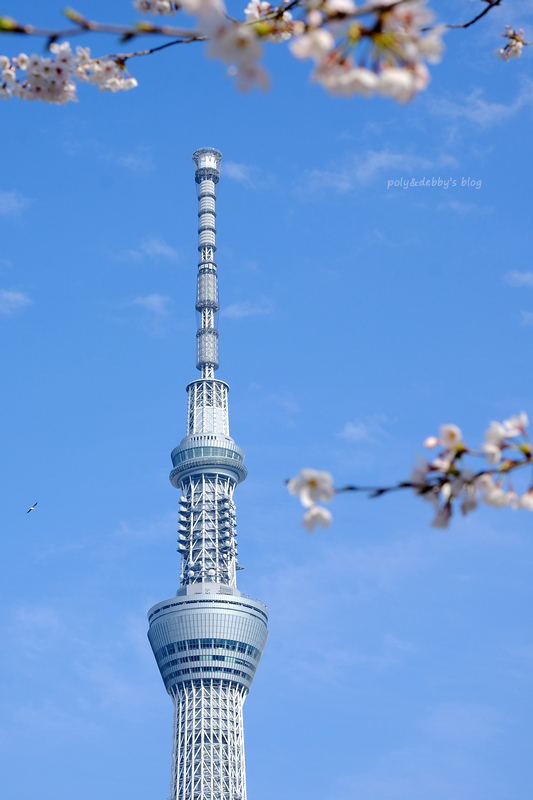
31 509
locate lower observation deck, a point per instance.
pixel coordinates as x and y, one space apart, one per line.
209 631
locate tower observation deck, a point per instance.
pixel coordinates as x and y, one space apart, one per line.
208 639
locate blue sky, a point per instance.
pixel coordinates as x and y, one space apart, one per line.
355 319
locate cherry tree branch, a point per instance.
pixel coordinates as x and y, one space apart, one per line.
490 5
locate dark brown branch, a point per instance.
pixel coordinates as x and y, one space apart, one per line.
125 56
490 4
423 488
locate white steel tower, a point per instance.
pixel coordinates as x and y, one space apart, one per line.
208 639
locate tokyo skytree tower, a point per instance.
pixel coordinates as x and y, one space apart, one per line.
208 639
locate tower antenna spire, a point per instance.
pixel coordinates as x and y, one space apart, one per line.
207 640
206 160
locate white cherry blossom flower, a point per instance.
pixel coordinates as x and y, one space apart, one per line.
513 48
63 53
360 80
450 435
340 77
23 61
470 501
249 75
492 451
397 82
153 7
315 44
311 485
496 496
517 424
420 472
526 501
316 515
430 442
346 7
431 45
256 9
210 13
83 54
235 44
443 516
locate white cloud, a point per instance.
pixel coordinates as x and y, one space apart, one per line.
475 109
247 309
364 431
153 246
140 161
363 168
11 301
236 172
156 303
516 278
462 208
527 317
12 202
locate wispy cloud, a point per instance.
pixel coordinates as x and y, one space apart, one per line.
12 202
476 109
155 303
157 247
153 247
366 430
527 317
247 309
516 278
12 301
462 208
361 169
237 172
139 161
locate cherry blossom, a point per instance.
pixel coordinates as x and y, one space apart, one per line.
450 436
446 482
526 501
316 515
515 43
311 485
381 48
52 79
153 7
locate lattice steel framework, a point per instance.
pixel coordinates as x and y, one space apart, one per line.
208 640
208 758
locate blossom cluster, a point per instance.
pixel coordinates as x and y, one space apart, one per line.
380 48
310 486
515 43
381 52
52 79
153 7
444 481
